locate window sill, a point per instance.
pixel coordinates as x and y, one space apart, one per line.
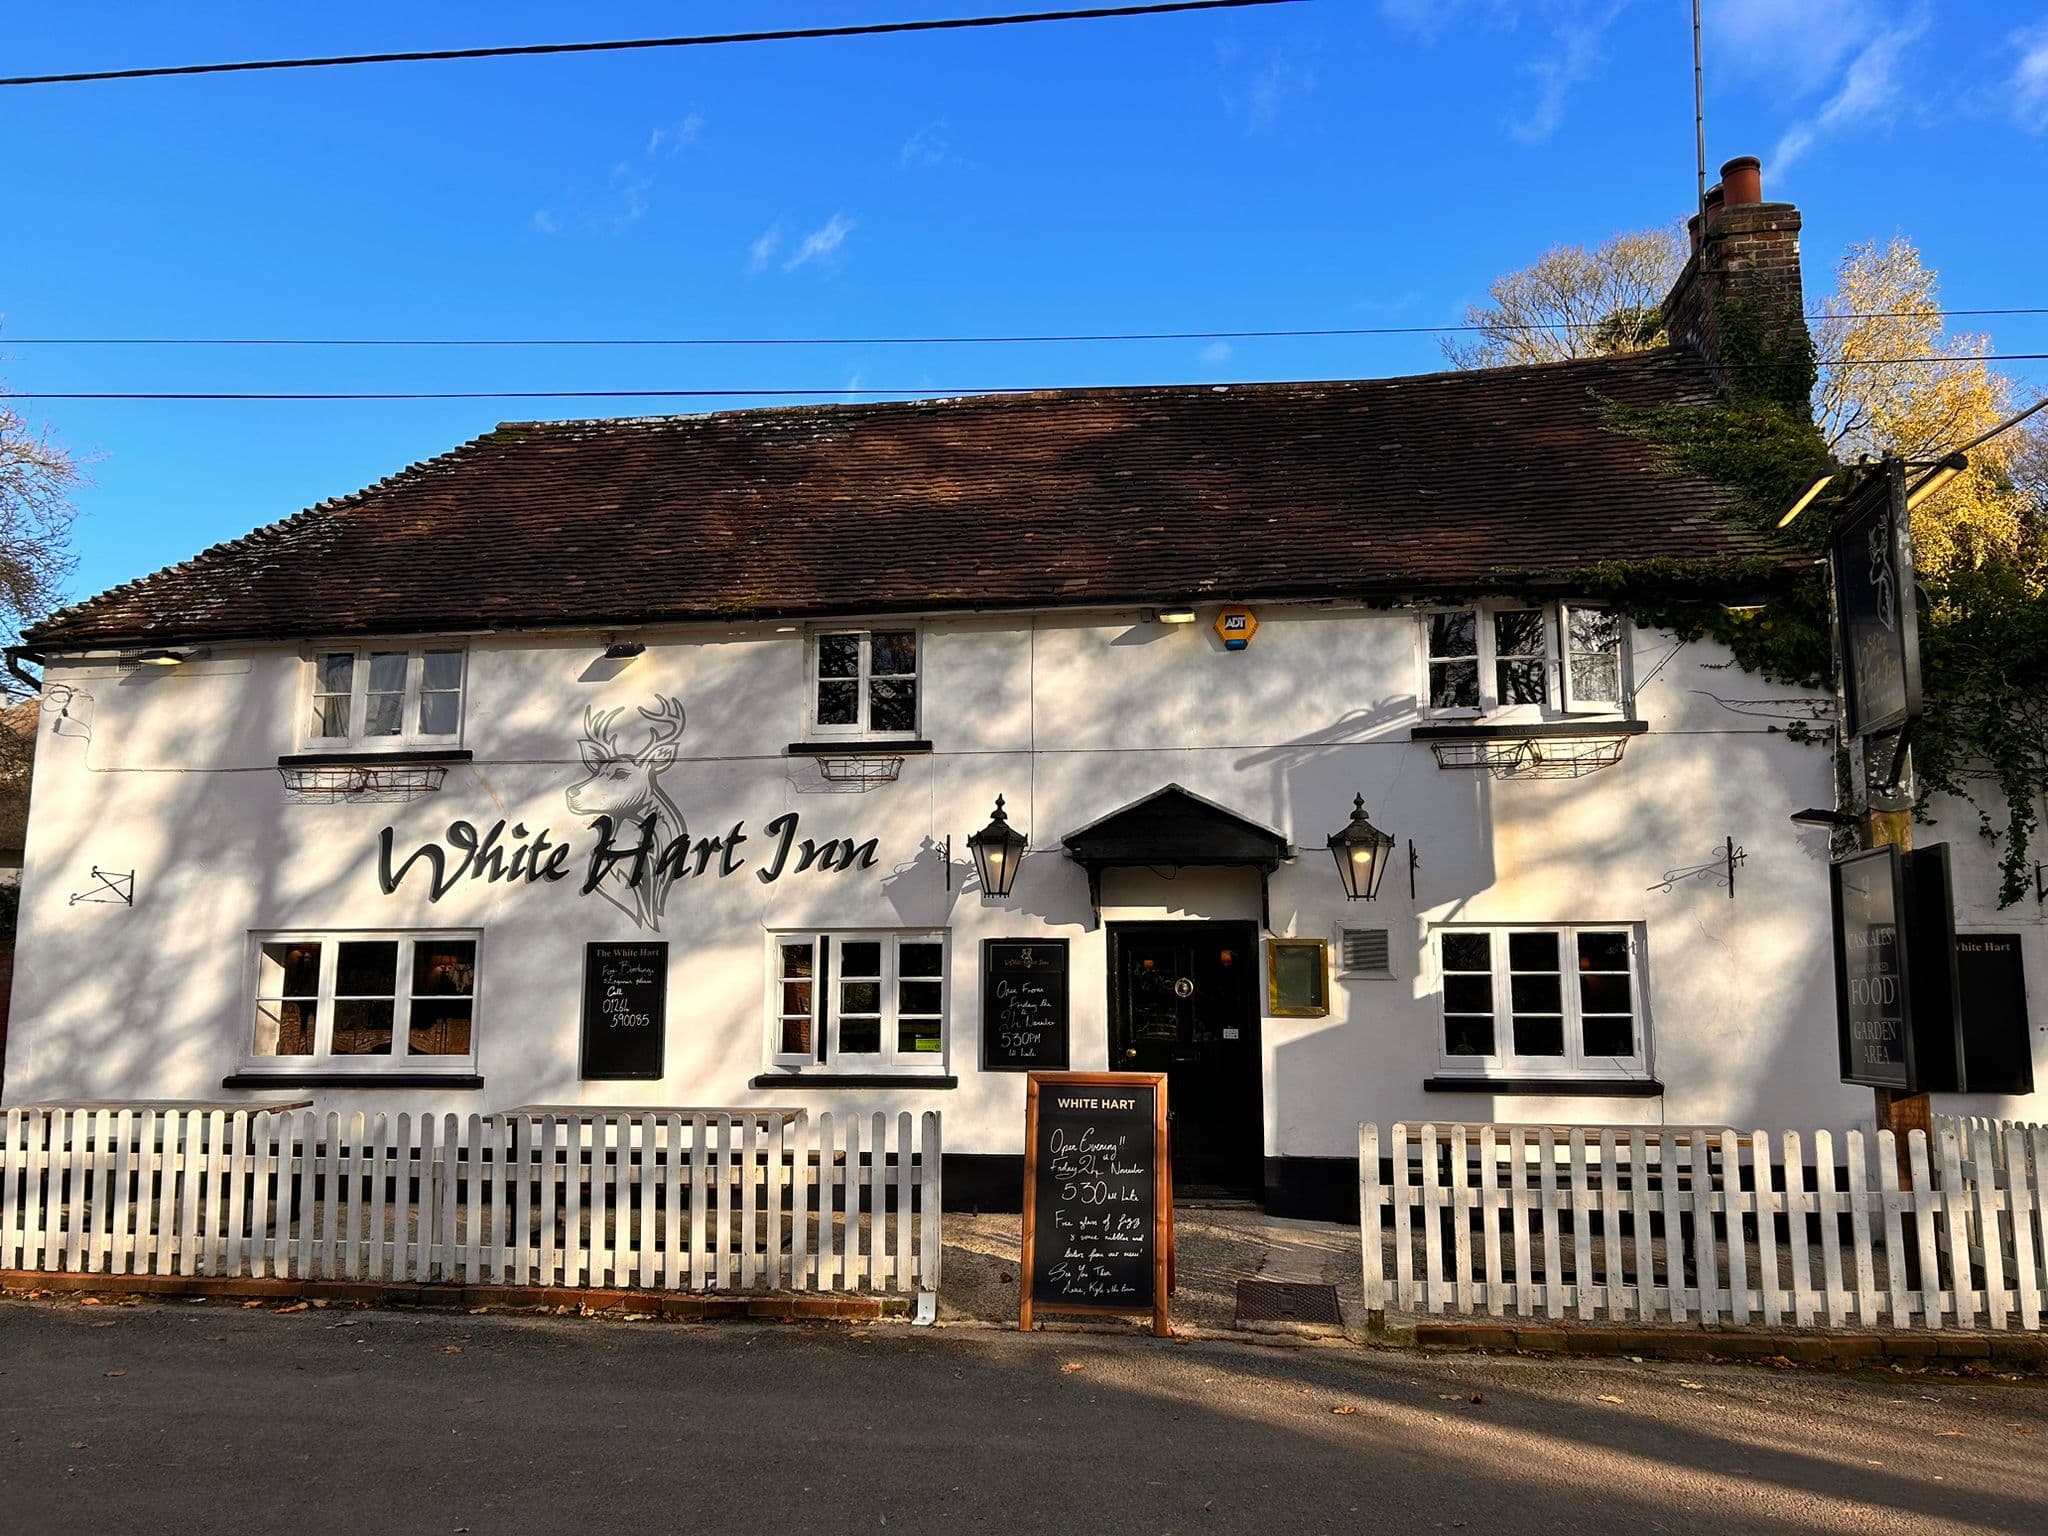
847 746
1533 730
1561 1087
319 1079
365 755
827 1081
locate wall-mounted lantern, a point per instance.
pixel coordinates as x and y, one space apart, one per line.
624 650
1360 850
998 849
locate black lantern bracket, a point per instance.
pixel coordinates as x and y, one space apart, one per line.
998 849
1720 870
1361 850
107 889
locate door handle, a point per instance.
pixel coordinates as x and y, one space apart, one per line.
1130 1053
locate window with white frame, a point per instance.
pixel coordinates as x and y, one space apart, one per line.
1525 662
864 682
386 697
858 1002
1531 1001
368 1002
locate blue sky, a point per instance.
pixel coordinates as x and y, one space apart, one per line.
1335 163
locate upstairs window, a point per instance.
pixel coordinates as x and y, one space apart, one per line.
390 697
864 682
1503 659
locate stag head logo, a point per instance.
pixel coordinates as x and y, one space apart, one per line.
622 780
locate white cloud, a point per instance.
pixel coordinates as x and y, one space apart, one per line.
1804 40
2030 78
1568 39
630 187
1578 56
1216 353
544 222
676 138
761 250
1272 87
821 242
1869 89
931 145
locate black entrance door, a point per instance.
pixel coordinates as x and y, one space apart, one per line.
1184 1001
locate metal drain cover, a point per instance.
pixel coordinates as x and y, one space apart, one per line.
1276 1301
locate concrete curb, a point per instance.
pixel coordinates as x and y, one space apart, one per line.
772 1306
2012 1351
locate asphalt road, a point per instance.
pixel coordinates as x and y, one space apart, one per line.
197 1418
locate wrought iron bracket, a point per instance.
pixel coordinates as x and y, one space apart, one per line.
107 888
1720 870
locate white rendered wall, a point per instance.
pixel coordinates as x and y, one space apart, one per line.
172 773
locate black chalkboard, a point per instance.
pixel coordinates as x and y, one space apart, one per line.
1098 1197
625 1010
1998 1047
1871 556
1024 1005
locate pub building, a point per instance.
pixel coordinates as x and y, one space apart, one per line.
864 757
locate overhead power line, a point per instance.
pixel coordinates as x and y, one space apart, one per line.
625 45
2004 426
1293 333
923 392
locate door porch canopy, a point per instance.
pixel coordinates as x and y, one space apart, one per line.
1175 828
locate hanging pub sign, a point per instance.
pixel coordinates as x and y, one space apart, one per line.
625 1010
1870 556
1023 1005
1895 970
1998 1051
1098 1196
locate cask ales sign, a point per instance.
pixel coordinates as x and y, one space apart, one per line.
1873 999
1098 1195
1896 1005
625 1010
1023 1005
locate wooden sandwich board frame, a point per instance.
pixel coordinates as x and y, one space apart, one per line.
1162 1195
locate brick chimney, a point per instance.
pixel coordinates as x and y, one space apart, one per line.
1743 272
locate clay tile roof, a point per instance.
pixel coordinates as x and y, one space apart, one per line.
1347 488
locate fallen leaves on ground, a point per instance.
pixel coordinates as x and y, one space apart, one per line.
117 1373
1692 1386
297 1306
1344 1408
1067 1368
1609 1397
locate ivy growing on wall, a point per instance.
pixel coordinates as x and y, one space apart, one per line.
1984 638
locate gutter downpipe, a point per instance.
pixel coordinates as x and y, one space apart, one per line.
16 655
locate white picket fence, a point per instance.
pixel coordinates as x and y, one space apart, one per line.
675 1201
1670 1224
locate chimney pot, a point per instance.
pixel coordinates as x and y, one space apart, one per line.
1742 181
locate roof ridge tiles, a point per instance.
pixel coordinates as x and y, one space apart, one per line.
1121 493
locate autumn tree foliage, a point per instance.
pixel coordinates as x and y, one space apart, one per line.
1575 301
1892 379
37 478
1896 381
